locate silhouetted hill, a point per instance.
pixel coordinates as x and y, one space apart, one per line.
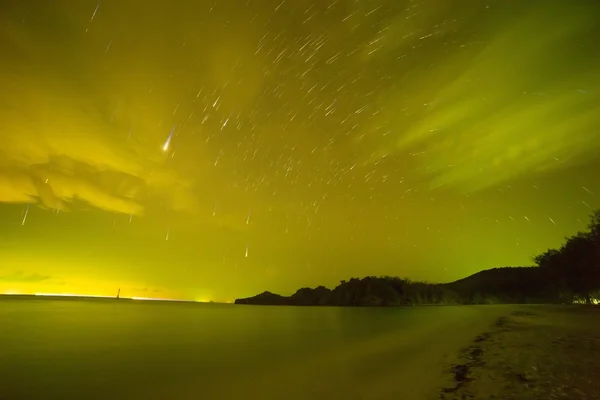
503 285
265 299
311 297
566 275
499 285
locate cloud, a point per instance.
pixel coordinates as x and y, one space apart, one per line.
81 123
522 102
21 277
54 151
66 123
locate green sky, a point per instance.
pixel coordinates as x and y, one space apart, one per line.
216 149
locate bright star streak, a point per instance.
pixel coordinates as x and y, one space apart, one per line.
168 142
95 11
25 216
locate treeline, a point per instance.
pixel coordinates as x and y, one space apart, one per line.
501 285
566 275
368 291
572 272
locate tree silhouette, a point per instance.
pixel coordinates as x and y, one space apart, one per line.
575 267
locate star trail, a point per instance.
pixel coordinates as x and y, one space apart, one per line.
216 149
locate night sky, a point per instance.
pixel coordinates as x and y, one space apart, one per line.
211 150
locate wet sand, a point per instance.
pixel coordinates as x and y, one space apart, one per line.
537 352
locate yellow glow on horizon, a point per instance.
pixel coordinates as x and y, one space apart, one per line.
73 295
202 300
158 299
65 283
108 297
97 296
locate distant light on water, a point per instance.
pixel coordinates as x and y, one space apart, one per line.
158 299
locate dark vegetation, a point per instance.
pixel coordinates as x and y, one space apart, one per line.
567 275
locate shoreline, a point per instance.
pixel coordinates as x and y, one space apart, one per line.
536 352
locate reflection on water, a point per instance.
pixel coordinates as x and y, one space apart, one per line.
110 349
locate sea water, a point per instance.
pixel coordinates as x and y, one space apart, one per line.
94 349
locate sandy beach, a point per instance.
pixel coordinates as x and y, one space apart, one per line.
537 352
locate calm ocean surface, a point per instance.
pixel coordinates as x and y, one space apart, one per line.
151 350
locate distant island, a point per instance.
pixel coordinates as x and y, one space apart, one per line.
567 275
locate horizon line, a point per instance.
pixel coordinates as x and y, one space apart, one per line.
95 296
